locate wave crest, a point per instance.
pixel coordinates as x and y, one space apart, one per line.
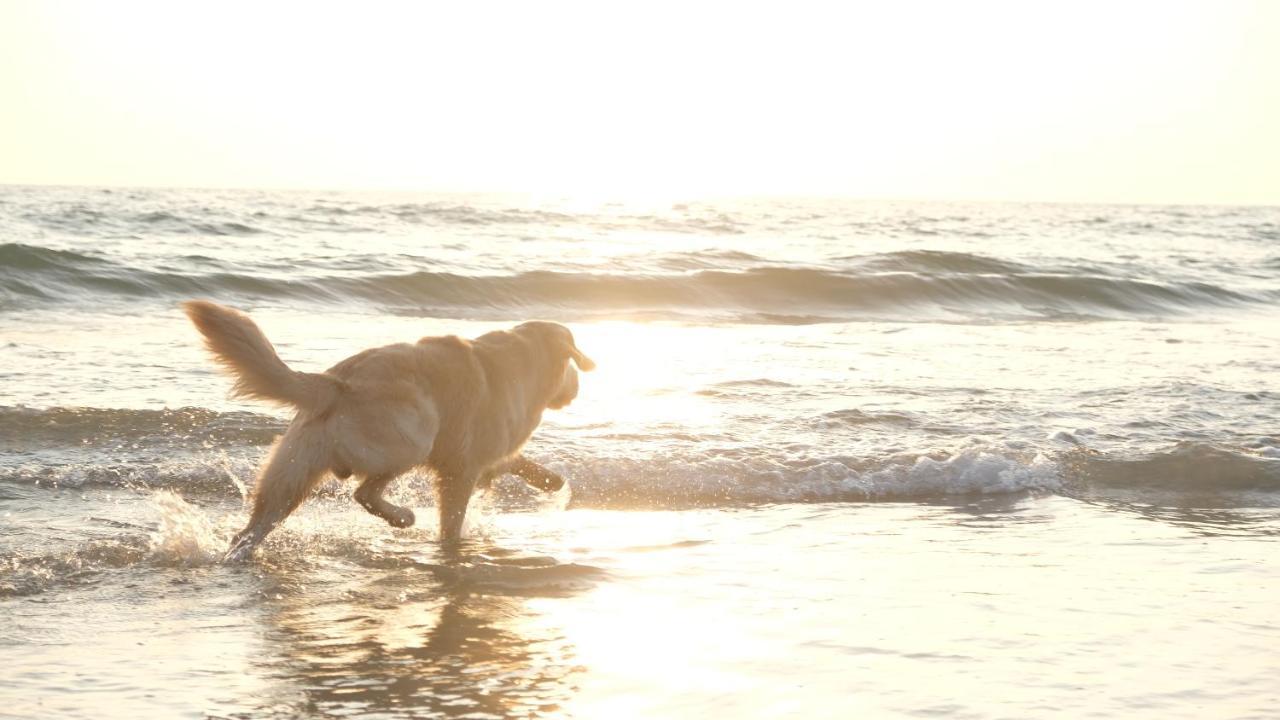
215 453
26 429
970 286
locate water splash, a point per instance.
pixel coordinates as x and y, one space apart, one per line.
186 535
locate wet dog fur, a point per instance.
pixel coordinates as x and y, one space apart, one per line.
460 408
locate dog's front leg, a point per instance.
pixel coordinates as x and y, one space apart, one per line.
453 493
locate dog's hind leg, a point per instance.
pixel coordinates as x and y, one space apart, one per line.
535 475
295 466
369 495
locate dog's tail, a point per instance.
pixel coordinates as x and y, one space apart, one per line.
239 346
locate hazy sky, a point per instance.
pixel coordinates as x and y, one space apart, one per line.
1122 101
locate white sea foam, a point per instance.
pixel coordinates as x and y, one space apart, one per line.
186 534
720 481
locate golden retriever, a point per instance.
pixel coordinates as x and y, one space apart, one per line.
461 408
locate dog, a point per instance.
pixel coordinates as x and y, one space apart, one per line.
460 408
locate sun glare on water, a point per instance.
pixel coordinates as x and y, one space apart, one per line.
643 375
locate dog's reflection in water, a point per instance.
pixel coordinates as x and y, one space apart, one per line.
448 636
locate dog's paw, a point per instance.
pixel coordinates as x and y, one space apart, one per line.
401 517
548 482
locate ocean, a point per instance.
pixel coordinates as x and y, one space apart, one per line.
886 458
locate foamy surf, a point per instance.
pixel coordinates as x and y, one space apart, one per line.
702 481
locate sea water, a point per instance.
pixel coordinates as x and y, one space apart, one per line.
839 457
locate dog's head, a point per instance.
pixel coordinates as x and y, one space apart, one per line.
557 343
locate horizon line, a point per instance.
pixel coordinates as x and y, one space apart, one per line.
621 196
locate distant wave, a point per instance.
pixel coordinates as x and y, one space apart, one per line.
86 220
16 256
24 429
928 285
937 261
109 219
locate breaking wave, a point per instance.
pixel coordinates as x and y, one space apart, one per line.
25 429
207 453
699 481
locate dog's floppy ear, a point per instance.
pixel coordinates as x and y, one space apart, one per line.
561 338
583 362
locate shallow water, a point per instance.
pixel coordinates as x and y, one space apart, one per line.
904 459
994 608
